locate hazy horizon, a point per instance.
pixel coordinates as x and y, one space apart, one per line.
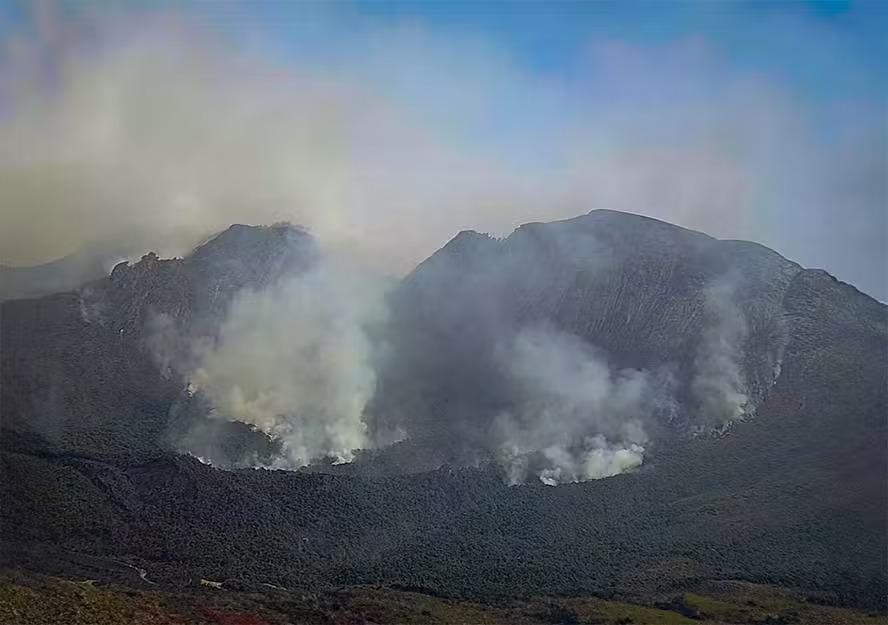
387 128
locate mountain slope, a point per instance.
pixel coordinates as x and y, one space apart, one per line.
792 495
648 294
90 371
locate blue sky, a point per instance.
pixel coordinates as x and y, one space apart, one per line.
851 51
822 47
826 49
828 53
832 56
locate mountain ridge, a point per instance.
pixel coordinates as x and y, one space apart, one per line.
790 495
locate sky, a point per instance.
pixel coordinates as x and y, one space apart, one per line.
386 127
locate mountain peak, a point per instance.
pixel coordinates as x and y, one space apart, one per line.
244 241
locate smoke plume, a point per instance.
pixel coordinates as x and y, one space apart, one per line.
296 361
574 418
718 385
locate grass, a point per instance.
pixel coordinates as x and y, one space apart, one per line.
616 612
27 599
57 602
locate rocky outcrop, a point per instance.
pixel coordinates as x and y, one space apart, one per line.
194 292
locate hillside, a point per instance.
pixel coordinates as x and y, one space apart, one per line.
95 371
791 494
41 600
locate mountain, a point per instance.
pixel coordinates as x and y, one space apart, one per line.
761 383
55 276
90 371
649 295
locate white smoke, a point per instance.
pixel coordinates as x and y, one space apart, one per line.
597 459
718 385
575 418
295 361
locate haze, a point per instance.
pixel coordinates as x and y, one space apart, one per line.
387 128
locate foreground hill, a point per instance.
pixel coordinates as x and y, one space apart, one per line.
793 494
40 600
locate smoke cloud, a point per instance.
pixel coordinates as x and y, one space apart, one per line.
574 418
718 386
296 361
141 130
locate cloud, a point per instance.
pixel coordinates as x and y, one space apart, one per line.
385 137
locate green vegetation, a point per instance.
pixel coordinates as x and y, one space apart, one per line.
39 600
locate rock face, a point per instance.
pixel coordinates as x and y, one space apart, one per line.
194 292
93 370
